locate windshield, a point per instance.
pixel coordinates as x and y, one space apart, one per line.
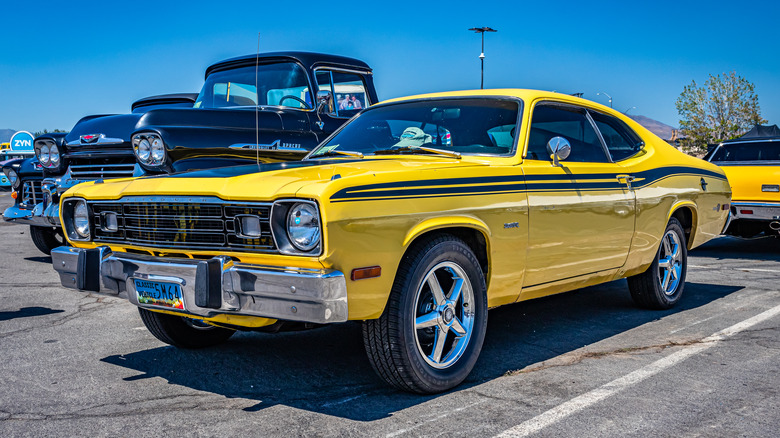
466 126
278 84
746 152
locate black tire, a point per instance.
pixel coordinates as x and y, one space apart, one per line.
648 289
46 238
394 345
183 332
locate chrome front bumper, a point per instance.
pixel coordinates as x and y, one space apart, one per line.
34 216
210 287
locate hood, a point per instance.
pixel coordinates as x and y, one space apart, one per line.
266 182
243 118
117 126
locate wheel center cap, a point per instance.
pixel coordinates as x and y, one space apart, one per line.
448 315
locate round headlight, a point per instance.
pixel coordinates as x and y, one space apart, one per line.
158 150
13 177
54 155
44 155
143 150
81 219
303 226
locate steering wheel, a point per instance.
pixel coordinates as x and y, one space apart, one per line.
296 98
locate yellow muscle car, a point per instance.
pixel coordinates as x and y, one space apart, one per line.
752 165
415 218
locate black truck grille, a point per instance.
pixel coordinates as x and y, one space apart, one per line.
204 226
102 168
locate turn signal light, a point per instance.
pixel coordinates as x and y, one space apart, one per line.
362 273
14 194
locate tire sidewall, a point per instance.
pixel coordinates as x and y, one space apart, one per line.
670 300
459 253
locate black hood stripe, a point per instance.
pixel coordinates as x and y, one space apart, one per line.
247 169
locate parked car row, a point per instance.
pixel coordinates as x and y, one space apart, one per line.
259 208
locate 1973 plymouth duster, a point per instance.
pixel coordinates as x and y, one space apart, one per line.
415 218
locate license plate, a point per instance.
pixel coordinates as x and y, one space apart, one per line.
159 293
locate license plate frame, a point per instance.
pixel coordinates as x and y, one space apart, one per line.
163 294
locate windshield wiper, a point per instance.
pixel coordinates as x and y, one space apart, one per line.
338 152
399 150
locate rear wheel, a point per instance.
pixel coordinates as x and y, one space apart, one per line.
46 238
183 332
661 286
431 333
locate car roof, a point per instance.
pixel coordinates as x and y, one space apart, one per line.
308 59
527 95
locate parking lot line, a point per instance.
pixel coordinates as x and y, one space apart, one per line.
583 401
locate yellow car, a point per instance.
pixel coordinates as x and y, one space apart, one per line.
415 218
752 165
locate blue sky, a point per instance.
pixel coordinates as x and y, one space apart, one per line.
60 61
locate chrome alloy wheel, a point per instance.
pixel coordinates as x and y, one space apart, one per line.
670 263
443 324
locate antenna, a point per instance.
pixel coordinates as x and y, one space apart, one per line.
257 105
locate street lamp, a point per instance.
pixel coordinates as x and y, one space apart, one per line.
482 30
626 111
610 98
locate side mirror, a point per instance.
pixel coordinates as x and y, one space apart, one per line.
559 149
324 101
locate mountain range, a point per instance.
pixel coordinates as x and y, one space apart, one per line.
660 129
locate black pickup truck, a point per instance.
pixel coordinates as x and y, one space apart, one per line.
266 107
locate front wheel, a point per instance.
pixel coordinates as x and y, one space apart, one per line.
46 238
431 332
661 286
183 332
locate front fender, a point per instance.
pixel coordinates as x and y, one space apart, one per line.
443 222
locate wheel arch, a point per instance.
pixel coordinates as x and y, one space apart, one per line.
687 213
473 232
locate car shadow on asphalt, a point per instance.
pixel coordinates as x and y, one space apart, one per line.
27 312
727 247
326 370
40 259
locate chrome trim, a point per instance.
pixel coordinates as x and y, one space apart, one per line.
22 216
761 210
102 140
275 146
287 293
283 249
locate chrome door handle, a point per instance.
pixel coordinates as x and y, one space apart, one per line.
626 179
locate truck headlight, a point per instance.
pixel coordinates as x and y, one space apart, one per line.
43 155
303 226
13 177
54 156
149 148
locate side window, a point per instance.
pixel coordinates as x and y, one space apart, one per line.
324 84
621 141
348 89
571 123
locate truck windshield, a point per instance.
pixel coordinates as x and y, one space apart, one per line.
747 152
464 126
278 84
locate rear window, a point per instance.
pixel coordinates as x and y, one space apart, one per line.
748 152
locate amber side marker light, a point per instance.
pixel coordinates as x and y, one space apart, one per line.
14 194
363 273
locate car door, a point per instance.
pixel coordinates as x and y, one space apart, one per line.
582 211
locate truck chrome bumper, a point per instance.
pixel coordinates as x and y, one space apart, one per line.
210 287
34 216
768 211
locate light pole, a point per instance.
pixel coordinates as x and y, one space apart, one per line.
610 97
626 111
482 30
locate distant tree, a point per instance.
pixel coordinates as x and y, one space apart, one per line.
46 131
724 108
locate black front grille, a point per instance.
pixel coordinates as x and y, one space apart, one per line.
87 169
32 193
207 226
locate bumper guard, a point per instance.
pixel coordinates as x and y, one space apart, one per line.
210 287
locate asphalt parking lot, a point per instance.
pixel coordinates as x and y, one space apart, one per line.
586 363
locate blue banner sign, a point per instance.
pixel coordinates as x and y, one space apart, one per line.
22 142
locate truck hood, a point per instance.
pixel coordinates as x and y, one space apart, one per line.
266 182
275 118
118 126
